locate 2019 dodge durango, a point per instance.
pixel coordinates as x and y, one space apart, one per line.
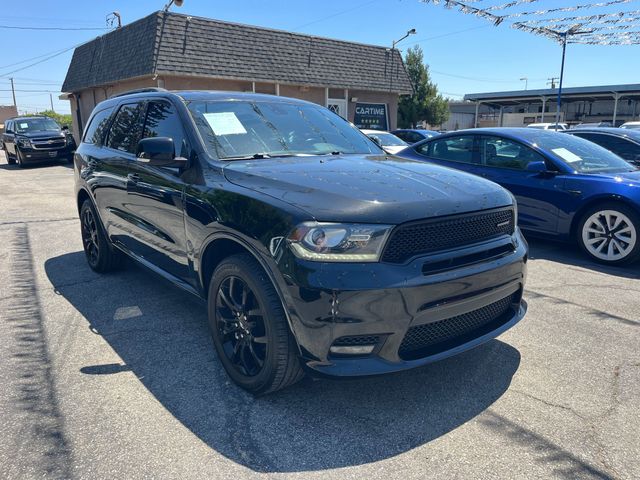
314 250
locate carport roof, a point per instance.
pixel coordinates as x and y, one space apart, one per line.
568 94
175 44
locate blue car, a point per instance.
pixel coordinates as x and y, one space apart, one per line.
567 188
412 136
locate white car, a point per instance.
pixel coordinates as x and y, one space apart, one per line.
549 126
632 125
388 141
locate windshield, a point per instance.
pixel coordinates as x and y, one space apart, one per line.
28 125
259 129
387 139
582 155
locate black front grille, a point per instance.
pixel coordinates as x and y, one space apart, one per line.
431 338
427 236
48 143
357 340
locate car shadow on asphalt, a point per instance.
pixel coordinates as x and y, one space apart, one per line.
569 254
6 166
161 335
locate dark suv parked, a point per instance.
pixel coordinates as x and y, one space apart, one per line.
312 248
35 139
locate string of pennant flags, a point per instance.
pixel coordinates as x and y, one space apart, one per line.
608 28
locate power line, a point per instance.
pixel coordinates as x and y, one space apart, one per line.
335 14
43 60
12 27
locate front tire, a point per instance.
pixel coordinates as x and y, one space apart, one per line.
609 234
19 158
249 327
102 257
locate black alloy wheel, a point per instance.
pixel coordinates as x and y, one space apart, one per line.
249 327
101 256
240 325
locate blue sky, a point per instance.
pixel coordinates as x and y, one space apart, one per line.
465 53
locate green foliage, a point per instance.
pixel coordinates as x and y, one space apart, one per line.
61 118
425 103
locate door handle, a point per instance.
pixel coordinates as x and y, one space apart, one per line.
133 177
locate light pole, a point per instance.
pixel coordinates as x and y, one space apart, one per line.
563 37
393 47
526 82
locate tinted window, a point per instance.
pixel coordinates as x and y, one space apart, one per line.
454 149
163 121
98 126
239 129
620 146
503 153
126 128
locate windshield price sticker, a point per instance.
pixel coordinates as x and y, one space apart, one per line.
24 125
566 155
224 123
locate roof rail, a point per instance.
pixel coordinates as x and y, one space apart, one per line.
139 90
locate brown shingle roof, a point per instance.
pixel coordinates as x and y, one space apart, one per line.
182 45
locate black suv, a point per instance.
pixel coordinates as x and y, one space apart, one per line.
313 249
35 139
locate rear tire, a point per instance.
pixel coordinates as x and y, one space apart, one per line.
609 233
249 327
10 161
102 257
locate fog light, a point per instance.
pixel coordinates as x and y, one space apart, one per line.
352 349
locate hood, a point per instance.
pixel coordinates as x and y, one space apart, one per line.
45 134
367 189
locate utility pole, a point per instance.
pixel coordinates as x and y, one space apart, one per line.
526 82
51 100
13 92
552 82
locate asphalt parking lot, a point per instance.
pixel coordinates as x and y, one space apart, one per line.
116 377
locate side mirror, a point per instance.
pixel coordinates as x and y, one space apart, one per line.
159 152
539 167
536 167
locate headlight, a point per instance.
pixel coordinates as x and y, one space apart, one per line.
335 242
24 142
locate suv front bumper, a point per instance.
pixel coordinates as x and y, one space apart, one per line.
330 301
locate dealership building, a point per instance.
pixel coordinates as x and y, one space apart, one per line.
360 82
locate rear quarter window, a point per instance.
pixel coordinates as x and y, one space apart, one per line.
98 126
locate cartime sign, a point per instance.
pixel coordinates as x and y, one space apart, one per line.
371 115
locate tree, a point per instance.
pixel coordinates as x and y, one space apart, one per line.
425 103
61 118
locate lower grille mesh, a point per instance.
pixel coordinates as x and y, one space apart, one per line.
423 340
357 340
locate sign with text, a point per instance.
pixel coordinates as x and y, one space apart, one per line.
371 115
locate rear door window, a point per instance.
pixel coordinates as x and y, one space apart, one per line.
454 149
126 128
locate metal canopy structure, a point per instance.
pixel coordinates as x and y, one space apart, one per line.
611 22
570 95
